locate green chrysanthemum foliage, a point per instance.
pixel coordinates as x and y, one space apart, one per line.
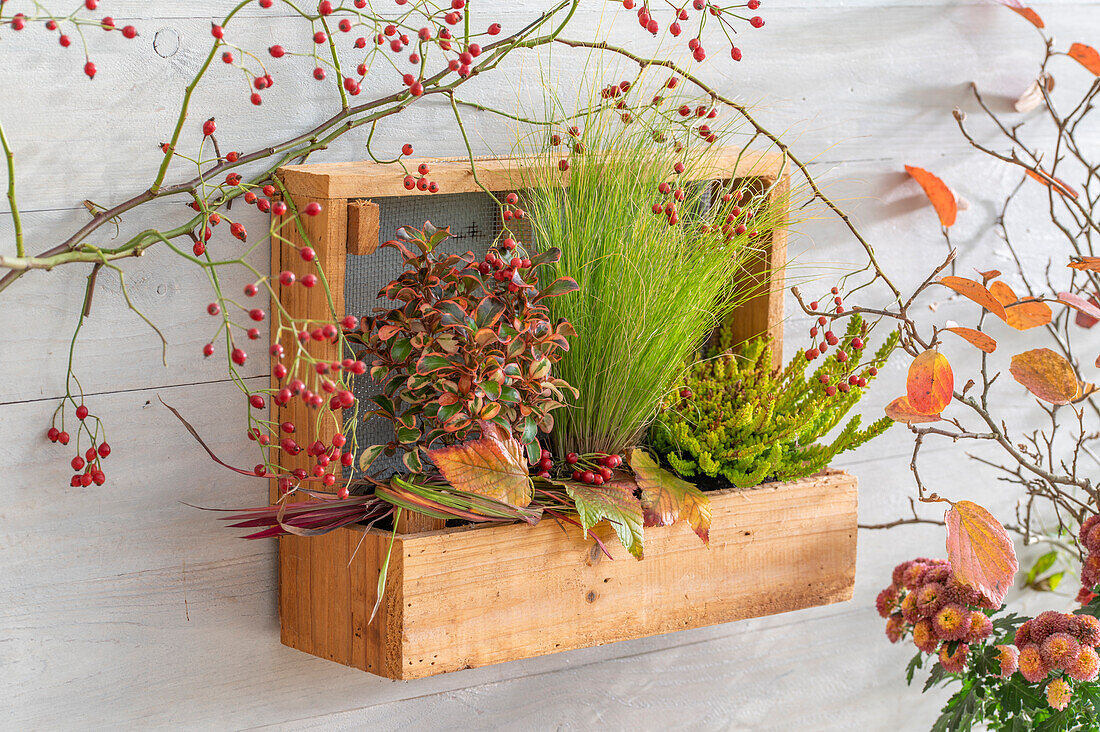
739 420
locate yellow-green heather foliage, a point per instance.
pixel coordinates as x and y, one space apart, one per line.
738 419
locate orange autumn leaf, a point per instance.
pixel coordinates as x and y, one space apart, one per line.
1045 374
1086 56
930 383
980 551
943 200
1084 391
1050 181
989 274
666 499
1019 8
976 338
976 292
493 465
1085 264
1020 315
900 410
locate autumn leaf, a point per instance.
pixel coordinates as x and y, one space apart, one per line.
1050 181
1081 305
989 274
930 383
976 292
614 502
1086 56
1084 391
980 551
666 499
493 465
976 338
1017 7
1085 264
900 410
1020 315
943 200
1045 374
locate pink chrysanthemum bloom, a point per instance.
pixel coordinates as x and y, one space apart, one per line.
1031 664
1007 656
1047 623
887 602
930 598
909 608
1058 694
1087 666
899 572
952 622
1023 634
895 626
1060 651
1090 570
961 592
980 627
1092 539
910 579
1086 629
954 662
937 573
924 637
1086 527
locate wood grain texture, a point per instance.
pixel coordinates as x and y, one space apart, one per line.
470 597
124 608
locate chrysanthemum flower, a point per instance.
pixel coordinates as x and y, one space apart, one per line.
1060 651
1047 623
899 573
930 597
961 592
954 662
980 627
1087 666
1031 663
887 602
939 572
924 637
1086 629
1092 538
1086 527
895 626
1023 634
1007 656
909 608
952 622
1058 694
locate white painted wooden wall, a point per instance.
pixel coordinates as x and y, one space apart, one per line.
122 606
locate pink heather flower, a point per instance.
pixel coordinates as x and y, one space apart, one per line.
1031 663
952 622
954 662
930 598
1060 650
1086 629
1007 656
980 627
924 637
1047 623
1058 694
1087 666
895 625
887 602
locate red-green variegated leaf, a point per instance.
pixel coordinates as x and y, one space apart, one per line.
980 550
368 456
666 499
613 502
430 363
551 255
492 465
560 286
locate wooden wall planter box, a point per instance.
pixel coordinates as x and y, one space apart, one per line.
467 597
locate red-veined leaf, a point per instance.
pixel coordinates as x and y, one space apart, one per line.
1020 315
1045 374
1086 56
930 383
900 410
974 291
666 499
1019 8
980 551
975 338
614 502
943 200
493 465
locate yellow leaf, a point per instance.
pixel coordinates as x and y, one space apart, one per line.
980 551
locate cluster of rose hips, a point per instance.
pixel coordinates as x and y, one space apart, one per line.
823 339
723 14
591 468
89 467
940 611
19 21
510 271
327 458
420 182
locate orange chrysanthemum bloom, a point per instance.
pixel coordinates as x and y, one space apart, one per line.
952 622
1060 651
924 637
954 662
1058 694
887 602
895 626
1086 629
1007 656
909 608
1087 666
1031 663
980 627
930 598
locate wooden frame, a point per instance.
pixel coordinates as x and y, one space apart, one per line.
458 598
